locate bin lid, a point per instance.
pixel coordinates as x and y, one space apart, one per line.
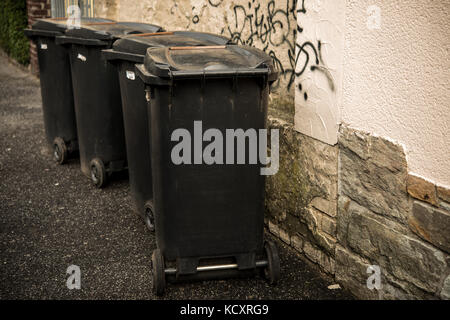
111 30
61 24
138 44
209 61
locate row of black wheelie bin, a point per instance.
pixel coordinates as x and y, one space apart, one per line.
116 93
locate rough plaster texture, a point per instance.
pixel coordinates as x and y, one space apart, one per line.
396 79
318 93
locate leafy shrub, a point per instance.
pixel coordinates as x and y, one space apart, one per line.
13 19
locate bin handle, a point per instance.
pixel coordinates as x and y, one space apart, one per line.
153 34
99 23
197 48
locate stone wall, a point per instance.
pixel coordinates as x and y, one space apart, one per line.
36 9
390 219
301 199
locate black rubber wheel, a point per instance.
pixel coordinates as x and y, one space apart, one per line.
158 274
59 151
98 173
272 271
149 216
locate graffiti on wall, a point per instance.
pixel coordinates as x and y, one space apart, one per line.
273 28
267 26
319 46
309 57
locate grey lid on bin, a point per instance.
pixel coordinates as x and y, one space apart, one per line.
111 30
209 61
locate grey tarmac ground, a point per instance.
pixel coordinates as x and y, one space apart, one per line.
51 217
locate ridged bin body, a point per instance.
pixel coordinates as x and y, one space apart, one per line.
97 97
125 54
56 80
206 211
98 109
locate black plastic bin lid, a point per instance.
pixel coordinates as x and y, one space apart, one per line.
111 30
60 24
138 44
57 26
208 61
134 47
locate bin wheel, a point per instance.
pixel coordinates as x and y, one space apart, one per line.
158 274
149 216
98 173
59 150
272 271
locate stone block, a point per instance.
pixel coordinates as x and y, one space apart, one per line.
328 226
285 237
399 255
273 228
443 193
351 272
326 206
431 224
311 252
422 189
445 292
297 243
377 180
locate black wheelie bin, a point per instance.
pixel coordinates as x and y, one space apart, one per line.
126 52
56 85
97 98
208 215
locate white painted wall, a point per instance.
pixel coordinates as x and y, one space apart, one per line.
393 82
318 93
396 80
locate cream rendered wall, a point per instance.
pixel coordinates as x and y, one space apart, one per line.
319 53
396 79
391 81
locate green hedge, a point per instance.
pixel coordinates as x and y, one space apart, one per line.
13 19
